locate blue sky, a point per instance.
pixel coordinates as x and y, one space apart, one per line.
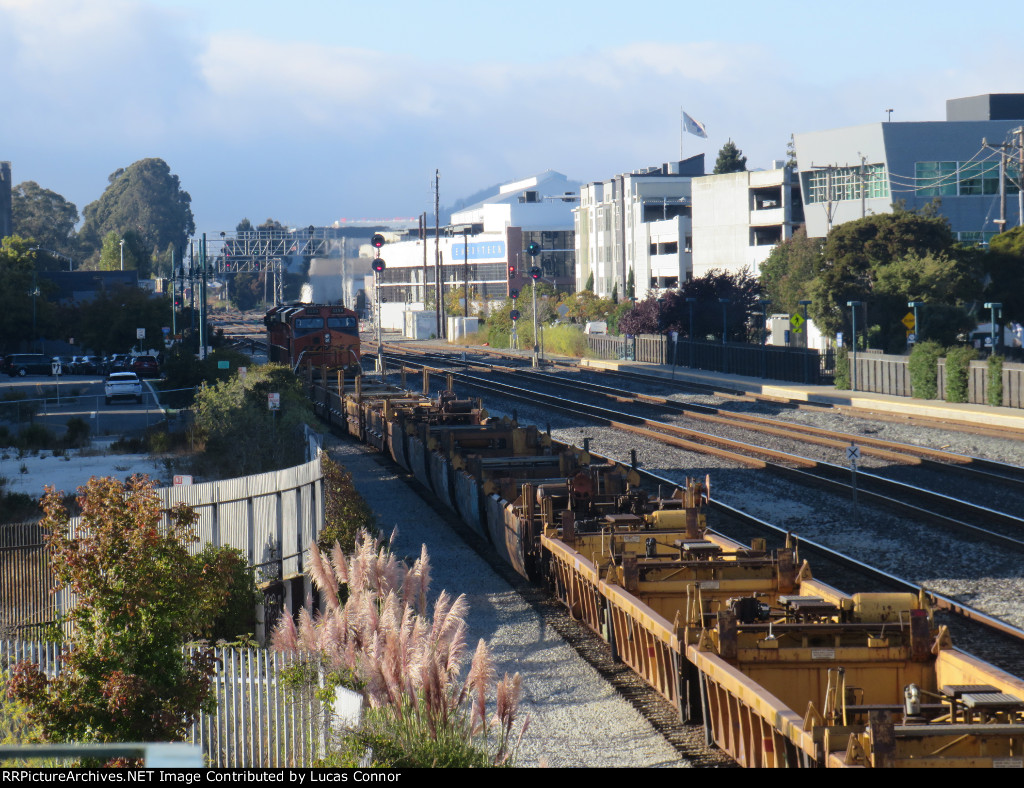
314 110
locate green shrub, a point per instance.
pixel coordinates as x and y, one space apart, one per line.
842 375
565 340
228 568
18 507
346 512
958 362
994 389
924 369
77 434
35 437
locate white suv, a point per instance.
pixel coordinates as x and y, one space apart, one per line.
123 385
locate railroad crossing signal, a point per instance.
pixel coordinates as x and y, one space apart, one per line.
796 320
908 321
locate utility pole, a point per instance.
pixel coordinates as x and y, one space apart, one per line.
465 269
863 187
829 169
438 288
423 238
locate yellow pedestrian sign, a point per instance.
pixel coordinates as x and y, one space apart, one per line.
908 321
797 322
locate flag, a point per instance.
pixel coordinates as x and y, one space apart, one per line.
693 127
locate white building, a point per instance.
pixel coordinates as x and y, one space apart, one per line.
637 222
486 244
739 217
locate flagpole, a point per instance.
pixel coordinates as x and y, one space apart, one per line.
681 132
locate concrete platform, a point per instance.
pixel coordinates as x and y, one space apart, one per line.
1010 418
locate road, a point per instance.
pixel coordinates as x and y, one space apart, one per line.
55 400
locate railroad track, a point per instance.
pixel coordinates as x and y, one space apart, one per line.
912 501
633 377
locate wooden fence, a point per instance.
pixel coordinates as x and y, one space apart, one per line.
262 720
887 374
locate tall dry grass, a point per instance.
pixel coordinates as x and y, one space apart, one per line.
377 628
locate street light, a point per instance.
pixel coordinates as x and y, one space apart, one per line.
122 254
725 331
691 302
917 325
995 308
807 343
853 368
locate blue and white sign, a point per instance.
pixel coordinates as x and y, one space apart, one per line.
481 250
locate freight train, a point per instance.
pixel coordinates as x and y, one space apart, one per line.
782 669
315 335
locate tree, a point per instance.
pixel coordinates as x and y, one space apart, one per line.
109 323
791 161
17 264
1002 270
789 269
583 306
671 312
886 260
730 159
43 216
140 597
242 436
134 254
144 198
590 282
630 286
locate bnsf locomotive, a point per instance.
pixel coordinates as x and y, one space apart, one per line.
321 335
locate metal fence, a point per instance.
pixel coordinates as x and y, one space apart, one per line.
271 517
262 719
797 365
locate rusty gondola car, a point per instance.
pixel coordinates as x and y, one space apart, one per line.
783 670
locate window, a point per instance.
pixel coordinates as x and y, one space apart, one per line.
976 238
962 179
847 183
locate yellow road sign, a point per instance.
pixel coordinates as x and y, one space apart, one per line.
908 321
797 322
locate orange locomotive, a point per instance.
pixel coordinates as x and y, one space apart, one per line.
319 334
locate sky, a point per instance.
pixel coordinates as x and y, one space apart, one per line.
317 110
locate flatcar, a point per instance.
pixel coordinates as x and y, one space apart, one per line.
782 669
317 335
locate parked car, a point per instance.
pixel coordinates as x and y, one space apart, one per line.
22 364
122 385
145 367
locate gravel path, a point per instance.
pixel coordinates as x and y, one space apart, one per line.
576 718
